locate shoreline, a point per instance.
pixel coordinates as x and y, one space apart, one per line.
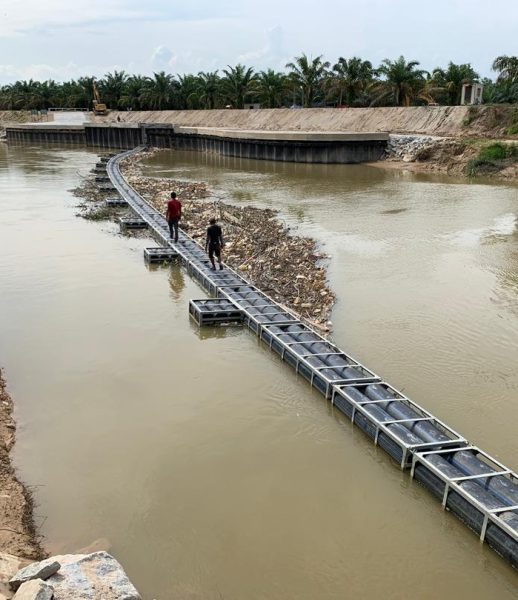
18 535
459 158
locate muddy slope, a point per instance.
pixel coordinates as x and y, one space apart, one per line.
17 531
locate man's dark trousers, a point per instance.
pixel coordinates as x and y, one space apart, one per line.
173 228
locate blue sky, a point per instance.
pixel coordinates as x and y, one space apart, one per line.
62 39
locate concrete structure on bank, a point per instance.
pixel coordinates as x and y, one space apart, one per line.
287 146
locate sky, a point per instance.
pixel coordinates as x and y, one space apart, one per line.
63 39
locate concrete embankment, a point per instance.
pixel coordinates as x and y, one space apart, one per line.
327 147
442 139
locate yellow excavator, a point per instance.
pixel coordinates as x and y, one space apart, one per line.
99 107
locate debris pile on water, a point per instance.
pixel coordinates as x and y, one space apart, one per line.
257 244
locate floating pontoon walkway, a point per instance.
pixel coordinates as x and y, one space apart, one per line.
476 487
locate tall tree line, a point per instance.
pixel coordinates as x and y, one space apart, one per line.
306 82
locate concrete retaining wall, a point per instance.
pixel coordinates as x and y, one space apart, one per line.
286 146
330 152
40 134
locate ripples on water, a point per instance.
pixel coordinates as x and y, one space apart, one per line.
212 470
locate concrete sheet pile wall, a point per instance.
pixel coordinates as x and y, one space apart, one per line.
46 135
285 151
113 136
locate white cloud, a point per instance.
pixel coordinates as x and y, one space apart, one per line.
64 72
163 59
272 54
20 17
68 38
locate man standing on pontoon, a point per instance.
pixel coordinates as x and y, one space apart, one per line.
214 243
173 216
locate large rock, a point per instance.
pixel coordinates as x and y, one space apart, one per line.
96 576
36 589
9 566
38 570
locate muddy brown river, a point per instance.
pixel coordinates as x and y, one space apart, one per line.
207 468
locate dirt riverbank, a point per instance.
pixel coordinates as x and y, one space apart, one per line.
17 531
258 244
469 158
484 121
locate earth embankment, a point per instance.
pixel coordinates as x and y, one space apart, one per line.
444 121
17 531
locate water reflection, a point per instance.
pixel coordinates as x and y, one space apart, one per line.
176 281
216 332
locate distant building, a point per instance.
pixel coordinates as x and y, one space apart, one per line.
472 93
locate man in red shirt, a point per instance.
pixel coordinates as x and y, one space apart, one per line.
173 215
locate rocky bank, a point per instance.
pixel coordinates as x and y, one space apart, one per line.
96 576
459 157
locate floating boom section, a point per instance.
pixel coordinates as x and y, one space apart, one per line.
473 485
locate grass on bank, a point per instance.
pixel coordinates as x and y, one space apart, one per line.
493 158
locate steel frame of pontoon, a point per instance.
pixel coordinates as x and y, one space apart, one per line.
202 315
286 349
418 453
453 484
227 291
456 440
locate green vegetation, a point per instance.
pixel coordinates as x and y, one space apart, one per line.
307 82
492 158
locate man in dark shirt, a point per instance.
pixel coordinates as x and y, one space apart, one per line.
214 243
173 216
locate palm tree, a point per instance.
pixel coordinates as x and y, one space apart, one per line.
132 91
307 75
8 97
209 85
271 87
80 92
48 93
111 87
238 84
158 91
507 67
506 92
188 92
452 79
26 94
403 82
351 78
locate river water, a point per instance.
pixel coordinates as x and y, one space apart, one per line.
209 469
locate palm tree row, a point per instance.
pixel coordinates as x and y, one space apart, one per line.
307 82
